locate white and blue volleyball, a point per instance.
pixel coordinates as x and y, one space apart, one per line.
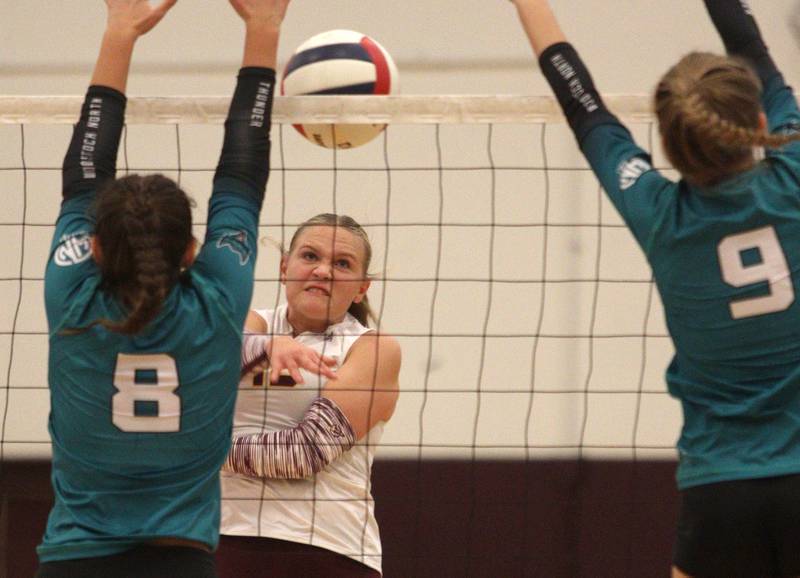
340 62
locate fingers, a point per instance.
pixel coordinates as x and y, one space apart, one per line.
319 364
159 12
294 371
323 366
136 17
288 357
164 7
311 362
290 368
272 11
238 7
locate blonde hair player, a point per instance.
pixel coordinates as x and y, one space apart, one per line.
296 485
724 246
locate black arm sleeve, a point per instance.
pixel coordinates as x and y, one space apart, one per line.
91 158
245 150
574 89
735 23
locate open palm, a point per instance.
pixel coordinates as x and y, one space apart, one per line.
136 16
265 11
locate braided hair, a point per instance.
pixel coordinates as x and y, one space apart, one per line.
143 227
708 109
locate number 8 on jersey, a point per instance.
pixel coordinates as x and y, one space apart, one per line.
146 400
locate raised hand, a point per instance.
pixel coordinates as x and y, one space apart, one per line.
262 12
135 17
262 19
127 21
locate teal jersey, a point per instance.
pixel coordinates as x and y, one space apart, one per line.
141 424
726 260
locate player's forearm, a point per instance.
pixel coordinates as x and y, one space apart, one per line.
261 45
735 23
574 89
321 437
91 158
568 76
739 32
540 24
114 60
245 149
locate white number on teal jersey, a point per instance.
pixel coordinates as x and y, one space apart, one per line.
773 269
150 380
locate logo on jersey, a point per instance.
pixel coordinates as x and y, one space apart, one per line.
73 249
236 242
630 171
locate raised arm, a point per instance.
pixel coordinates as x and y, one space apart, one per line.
616 160
245 149
229 251
127 21
741 36
263 21
540 24
563 68
92 154
737 27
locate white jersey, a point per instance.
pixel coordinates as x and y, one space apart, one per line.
333 509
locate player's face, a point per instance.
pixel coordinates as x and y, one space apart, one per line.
323 275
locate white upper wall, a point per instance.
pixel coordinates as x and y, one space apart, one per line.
445 46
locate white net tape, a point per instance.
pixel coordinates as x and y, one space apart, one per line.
322 109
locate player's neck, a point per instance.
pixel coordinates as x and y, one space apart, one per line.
301 324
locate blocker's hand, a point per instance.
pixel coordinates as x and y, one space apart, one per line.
264 12
134 18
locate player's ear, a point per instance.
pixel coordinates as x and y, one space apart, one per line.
284 257
97 252
362 290
190 254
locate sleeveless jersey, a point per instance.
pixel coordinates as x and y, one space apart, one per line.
726 260
333 509
140 425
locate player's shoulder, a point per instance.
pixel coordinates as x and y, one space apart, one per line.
378 345
202 301
256 321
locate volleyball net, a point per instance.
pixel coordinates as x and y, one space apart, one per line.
528 319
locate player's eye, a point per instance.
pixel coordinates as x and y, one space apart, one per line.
308 256
343 263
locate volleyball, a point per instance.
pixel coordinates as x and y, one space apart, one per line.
339 62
